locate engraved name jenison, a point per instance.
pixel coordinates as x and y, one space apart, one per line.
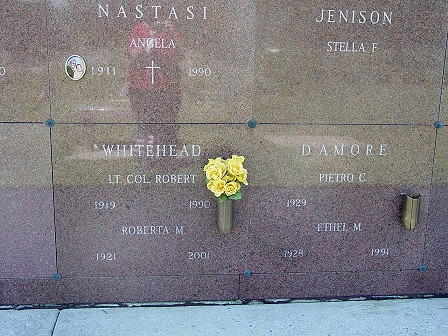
354 16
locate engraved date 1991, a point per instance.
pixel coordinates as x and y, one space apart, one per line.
378 252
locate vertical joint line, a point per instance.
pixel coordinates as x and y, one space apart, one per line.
443 78
47 42
54 204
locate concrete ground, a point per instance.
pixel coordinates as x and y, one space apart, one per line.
375 317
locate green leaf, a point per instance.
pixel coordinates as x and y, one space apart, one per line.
236 196
222 198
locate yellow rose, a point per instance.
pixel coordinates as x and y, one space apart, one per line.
237 158
231 188
210 163
234 167
242 177
218 162
215 173
216 187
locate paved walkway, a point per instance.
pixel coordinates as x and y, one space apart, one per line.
378 317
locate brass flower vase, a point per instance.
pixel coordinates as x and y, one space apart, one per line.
225 216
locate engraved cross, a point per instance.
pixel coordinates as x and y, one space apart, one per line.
152 67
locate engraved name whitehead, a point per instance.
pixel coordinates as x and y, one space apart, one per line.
153 150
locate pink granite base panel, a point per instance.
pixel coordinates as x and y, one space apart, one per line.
343 284
223 287
436 251
116 290
27 240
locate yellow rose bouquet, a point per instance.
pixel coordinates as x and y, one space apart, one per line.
224 177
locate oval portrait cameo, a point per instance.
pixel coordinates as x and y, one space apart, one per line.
75 67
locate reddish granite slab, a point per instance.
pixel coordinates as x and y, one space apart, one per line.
24 79
115 290
334 62
343 284
437 236
345 98
27 242
192 52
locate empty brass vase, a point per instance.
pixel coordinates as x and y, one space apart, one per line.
411 211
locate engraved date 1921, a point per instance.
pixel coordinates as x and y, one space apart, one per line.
106 257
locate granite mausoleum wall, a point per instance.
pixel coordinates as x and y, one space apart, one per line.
109 110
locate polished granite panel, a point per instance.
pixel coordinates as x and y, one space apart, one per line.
116 290
345 62
329 198
26 158
23 62
112 198
27 246
343 284
140 215
437 236
440 178
150 62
